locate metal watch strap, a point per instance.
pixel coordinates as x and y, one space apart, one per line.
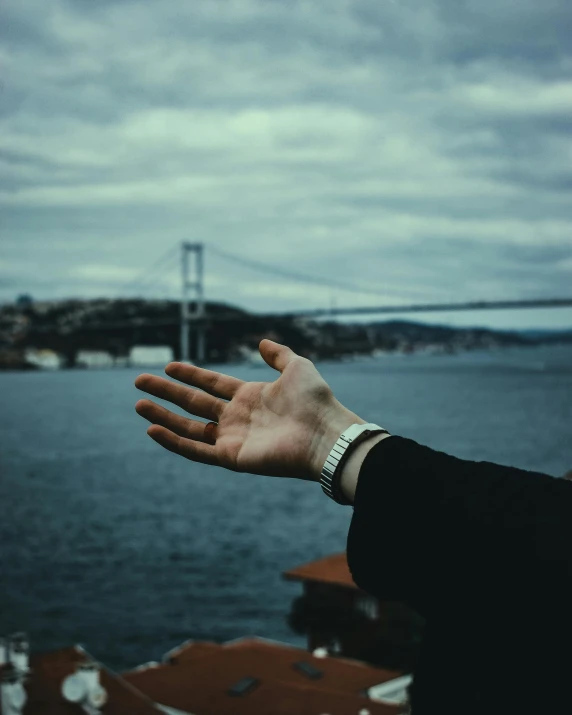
330 477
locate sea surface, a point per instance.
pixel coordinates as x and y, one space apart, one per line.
109 541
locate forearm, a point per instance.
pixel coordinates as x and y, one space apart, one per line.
458 530
351 467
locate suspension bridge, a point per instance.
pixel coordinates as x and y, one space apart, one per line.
194 321
193 290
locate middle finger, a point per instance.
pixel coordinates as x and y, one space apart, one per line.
192 401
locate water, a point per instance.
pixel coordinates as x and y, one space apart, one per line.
112 542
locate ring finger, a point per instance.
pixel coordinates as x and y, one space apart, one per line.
184 427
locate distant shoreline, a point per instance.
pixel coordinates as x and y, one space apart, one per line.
107 333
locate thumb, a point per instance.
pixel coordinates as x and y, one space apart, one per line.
275 354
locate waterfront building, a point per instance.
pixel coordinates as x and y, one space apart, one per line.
247 676
340 618
254 676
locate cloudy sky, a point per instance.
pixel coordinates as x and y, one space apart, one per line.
420 150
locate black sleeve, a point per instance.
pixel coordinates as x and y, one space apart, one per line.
429 529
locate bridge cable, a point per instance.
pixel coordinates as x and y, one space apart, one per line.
150 272
294 275
161 279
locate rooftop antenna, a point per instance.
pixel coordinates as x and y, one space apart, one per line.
18 652
13 695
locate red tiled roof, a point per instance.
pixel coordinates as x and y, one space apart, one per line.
191 651
199 682
331 569
340 674
187 652
49 670
281 699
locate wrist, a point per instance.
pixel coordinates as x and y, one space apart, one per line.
334 422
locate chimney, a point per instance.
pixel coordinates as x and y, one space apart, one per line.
18 652
83 687
89 673
12 694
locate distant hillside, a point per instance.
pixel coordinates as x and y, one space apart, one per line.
410 336
548 336
445 334
115 326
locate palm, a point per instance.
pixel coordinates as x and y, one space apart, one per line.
264 428
261 433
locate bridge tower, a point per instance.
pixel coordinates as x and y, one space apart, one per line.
197 317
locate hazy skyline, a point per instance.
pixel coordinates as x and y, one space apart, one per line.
420 149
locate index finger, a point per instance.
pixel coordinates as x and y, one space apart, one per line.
215 383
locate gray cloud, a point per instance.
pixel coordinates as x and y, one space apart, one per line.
423 147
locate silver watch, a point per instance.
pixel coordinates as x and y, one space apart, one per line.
331 471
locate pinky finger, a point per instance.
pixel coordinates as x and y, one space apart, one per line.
188 448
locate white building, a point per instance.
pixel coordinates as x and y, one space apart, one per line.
150 356
44 359
94 359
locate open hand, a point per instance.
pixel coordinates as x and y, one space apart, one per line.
284 428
